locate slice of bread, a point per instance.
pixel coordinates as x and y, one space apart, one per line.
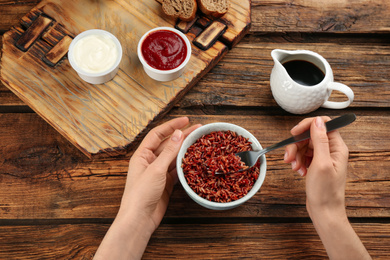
185 10
214 8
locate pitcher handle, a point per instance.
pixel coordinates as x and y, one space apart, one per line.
345 90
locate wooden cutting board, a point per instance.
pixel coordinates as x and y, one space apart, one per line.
107 118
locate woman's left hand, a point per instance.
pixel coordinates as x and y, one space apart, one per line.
150 180
152 171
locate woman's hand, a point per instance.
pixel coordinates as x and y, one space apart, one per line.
152 171
324 161
150 180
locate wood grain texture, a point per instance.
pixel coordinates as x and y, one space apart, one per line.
43 176
313 16
179 241
277 15
58 51
55 203
12 11
33 32
206 38
98 118
255 241
360 65
59 242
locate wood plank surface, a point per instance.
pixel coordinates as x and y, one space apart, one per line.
55 203
315 16
255 241
358 16
369 22
241 68
179 241
12 11
250 64
105 118
49 179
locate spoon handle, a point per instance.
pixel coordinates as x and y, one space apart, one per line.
250 157
330 126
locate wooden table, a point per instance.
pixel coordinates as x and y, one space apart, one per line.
55 203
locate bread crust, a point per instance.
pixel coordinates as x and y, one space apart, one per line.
211 11
185 10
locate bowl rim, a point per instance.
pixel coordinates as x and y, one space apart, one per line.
164 72
212 127
86 33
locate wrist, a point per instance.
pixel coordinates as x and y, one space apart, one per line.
338 236
127 238
327 207
326 218
134 224
327 215
131 213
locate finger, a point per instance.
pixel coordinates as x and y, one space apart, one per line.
305 125
292 150
336 139
186 132
297 163
320 141
173 179
302 126
158 134
290 153
300 165
168 154
337 146
144 155
300 159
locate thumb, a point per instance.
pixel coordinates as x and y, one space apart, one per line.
320 140
170 151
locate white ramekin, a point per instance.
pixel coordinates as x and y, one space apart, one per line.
101 77
206 129
164 75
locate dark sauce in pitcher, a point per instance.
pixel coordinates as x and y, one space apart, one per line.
304 72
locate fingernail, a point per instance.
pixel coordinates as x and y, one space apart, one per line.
285 155
293 164
176 137
320 123
300 171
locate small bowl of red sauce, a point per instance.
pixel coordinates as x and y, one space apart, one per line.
164 52
211 148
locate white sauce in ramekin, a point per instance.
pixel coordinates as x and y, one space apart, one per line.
95 53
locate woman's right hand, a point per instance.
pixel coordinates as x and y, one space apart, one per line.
324 161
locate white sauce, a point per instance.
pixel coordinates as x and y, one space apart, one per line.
95 53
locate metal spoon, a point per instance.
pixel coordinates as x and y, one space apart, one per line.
250 157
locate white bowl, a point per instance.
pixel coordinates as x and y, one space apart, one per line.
206 129
164 75
90 76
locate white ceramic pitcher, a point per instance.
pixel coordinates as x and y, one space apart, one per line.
300 99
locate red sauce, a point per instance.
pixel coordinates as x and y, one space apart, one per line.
164 50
